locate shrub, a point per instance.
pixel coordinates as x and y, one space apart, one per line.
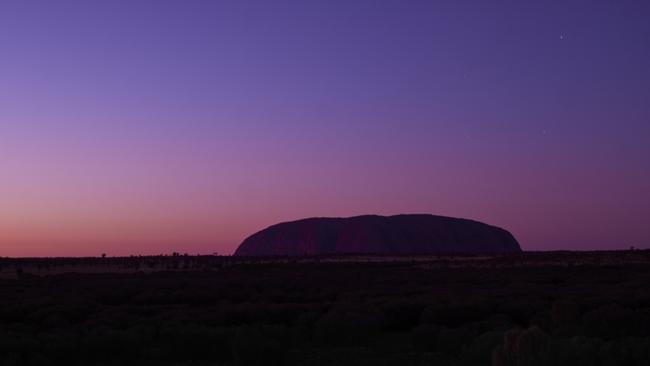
195 342
625 352
529 347
425 336
496 322
542 320
451 340
577 351
454 315
259 346
610 321
479 351
401 315
347 326
565 317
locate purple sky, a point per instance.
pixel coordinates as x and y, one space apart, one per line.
145 127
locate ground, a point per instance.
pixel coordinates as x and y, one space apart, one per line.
561 308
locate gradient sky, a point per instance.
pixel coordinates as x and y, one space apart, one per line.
146 127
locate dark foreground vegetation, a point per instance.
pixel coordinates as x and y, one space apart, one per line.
525 309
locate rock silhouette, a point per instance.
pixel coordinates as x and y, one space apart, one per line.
371 234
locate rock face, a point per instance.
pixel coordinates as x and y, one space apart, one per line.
401 234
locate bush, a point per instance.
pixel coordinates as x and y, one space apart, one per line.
15 349
401 315
479 351
108 345
529 347
496 322
195 342
454 315
625 352
347 326
542 320
259 346
577 351
610 321
451 340
565 317
425 336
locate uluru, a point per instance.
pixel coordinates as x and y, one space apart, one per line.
373 234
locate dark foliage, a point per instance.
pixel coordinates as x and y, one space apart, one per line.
589 309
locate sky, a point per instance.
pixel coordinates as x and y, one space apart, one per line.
146 127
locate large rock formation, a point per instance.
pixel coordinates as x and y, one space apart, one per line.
401 234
